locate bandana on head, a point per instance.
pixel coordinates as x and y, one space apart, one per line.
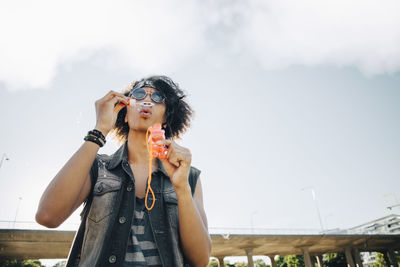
145 83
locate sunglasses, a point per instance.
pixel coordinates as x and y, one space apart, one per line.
140 94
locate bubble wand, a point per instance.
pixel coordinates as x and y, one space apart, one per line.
153 135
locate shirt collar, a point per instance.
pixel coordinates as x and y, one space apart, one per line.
118 156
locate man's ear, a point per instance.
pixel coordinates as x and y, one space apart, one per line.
126 117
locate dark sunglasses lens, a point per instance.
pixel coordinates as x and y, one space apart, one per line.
139 93
157 97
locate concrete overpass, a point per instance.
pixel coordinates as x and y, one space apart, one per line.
52 244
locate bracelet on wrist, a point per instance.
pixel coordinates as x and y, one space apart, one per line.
95 136
98 133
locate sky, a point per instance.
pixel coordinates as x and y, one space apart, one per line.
289 96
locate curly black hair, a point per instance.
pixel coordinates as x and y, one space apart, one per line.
178 113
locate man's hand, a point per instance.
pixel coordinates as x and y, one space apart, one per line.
177 163
106 115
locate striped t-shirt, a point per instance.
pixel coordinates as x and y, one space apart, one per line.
141 250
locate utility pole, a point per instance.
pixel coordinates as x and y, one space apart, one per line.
16 212
316 205
3 157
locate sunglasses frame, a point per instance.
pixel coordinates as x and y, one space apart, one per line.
151 95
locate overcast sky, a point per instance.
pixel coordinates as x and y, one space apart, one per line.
287 94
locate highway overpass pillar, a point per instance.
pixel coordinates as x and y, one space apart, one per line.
249 253
386 257
313 261
307 258
349 257
221 261
272 258
319 261
357 258
393 261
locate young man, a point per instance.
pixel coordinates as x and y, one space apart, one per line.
117 229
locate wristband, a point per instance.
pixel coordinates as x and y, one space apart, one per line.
97 134
94 139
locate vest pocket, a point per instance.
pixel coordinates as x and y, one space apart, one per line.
104 194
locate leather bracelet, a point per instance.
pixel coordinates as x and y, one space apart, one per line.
97 134
94 139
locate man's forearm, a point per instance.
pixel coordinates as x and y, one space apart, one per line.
193 231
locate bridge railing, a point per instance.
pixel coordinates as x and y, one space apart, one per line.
73 226
32 225
263 231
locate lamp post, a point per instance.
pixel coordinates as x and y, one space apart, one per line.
16 212
3 157
316 205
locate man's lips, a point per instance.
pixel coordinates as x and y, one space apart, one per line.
145 112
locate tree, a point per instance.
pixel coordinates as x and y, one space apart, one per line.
380 260
280 262
61 264
23 263
335 260
260 263
213 263
290 261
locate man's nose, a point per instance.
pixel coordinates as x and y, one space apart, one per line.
148 97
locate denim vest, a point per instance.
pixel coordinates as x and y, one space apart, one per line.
108 213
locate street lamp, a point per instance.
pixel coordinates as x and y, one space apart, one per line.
316 204
16 212
4 157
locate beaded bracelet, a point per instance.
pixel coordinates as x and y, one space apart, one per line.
94 139
97 134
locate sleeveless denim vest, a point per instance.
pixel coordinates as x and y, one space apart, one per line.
108 212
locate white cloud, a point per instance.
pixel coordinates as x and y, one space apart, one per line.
38 36
361 33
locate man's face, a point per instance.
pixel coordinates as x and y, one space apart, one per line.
140 117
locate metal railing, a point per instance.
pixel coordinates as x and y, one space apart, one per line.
31 225
263 231
224 231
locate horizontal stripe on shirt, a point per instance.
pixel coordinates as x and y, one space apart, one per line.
142 249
